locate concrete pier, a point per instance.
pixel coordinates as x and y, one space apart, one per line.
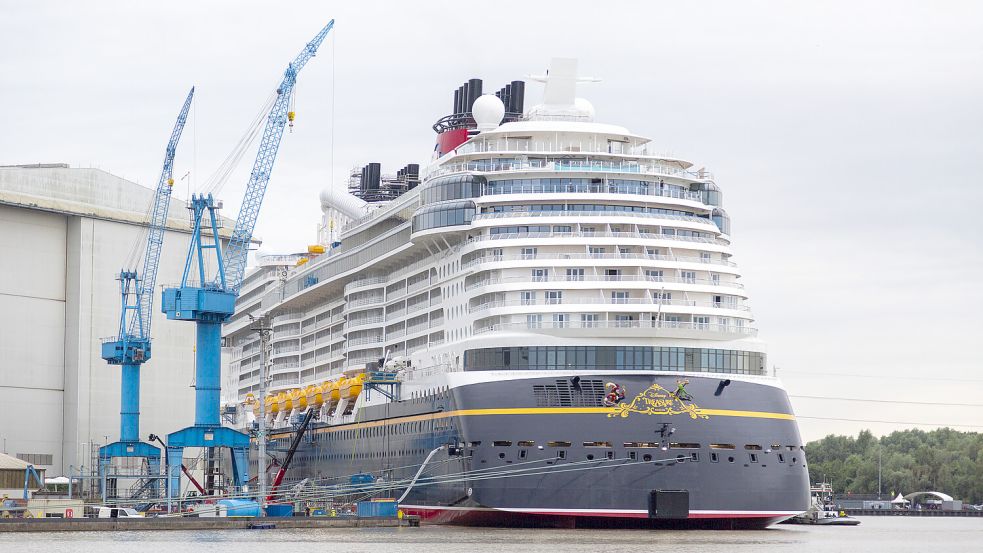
193 523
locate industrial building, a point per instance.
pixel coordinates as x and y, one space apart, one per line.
65 233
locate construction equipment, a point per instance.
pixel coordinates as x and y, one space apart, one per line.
131 346
28 472
210 301
184 469
298 436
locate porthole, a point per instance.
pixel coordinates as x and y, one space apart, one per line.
646 457
590 457
730 459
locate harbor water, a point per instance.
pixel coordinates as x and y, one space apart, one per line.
894 534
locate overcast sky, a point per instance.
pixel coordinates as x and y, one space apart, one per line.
847 136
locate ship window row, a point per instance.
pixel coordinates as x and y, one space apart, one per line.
587 207
659 358
444 215
668 451
464 186
589 231
453 187
587 186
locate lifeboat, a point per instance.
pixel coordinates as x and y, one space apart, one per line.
272 406
351 387
335 392
285 402
299 399
314 396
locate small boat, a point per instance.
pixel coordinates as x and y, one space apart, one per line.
822 511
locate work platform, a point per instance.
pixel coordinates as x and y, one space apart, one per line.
192 523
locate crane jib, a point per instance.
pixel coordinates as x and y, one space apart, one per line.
238 247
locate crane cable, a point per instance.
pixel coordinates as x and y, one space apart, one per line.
221 175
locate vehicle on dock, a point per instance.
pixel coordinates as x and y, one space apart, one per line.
118 512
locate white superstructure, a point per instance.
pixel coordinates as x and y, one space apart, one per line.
548 242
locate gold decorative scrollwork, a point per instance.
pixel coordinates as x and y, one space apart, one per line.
656 400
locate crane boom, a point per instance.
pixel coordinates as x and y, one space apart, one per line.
140 325
210 301
238 248
131 348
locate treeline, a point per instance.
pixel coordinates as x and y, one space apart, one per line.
942 460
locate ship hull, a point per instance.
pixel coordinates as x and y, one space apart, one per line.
506 450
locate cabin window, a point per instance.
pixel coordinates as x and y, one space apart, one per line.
752 447
502 443
558 444
683 445
721 446
526 443
597 444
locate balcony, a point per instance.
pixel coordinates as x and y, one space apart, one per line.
361 302
365 283
609 301
506 165
656 282
581 234
634 328
596 213
493 189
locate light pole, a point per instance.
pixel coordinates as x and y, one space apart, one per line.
878 471
261 325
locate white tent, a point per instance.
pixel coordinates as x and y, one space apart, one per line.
56 480
900 500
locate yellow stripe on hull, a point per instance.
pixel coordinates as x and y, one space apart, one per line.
536 411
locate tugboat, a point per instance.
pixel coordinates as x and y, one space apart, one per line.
822 510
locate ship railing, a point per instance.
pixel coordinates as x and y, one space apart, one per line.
364 340
364 321
366 301
609 301
365 282
428 371
594 213
642 325
605 278
493 188
629 255
592 234
510 165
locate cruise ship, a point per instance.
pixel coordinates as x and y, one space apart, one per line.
542 326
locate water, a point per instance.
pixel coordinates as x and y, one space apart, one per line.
889 534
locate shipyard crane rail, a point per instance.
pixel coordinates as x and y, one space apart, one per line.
131 346
210 301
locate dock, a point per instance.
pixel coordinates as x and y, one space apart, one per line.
195 523
911 513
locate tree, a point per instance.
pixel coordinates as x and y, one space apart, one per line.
944 460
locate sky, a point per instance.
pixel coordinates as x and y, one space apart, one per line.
847 137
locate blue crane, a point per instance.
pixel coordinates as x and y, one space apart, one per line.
131 346
210 301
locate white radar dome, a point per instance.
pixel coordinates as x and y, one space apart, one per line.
585 107
488 111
